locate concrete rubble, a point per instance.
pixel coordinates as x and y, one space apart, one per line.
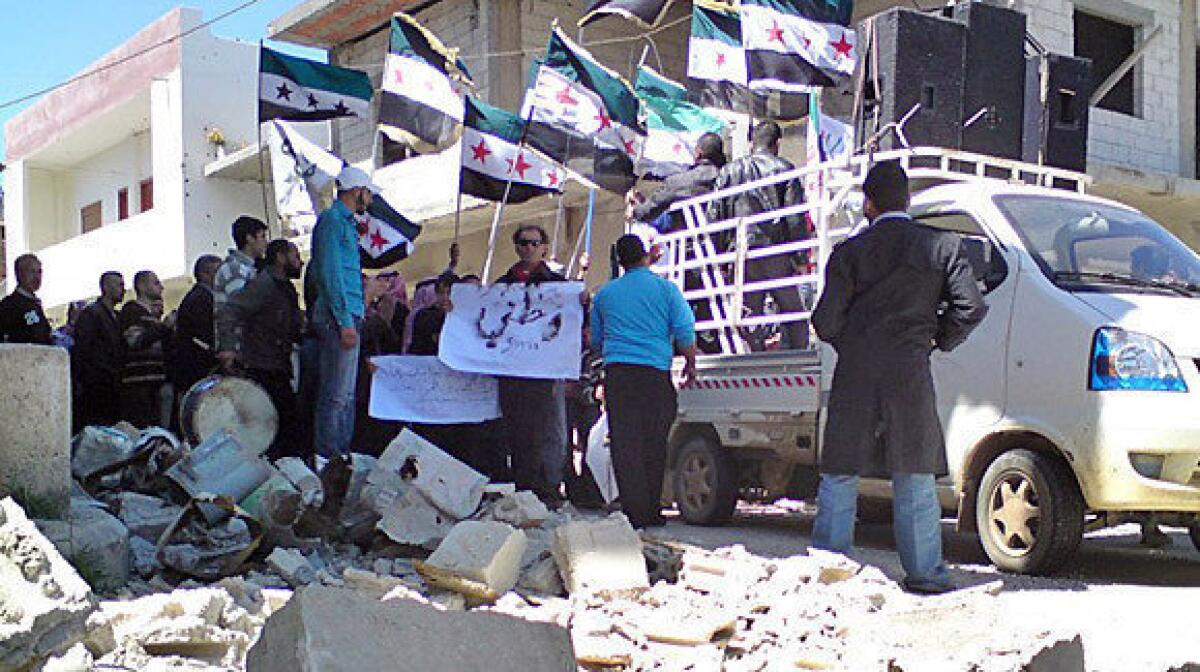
205 583
44 604
313 633
35 436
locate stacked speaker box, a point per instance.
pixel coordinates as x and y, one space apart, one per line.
920 63
1056 110
993 78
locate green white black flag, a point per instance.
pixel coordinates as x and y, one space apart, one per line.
674 125
297 89
492 154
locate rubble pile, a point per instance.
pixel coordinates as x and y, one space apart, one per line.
196 553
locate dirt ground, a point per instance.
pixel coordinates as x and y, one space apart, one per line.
1135 607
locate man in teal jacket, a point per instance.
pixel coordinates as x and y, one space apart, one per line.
339 309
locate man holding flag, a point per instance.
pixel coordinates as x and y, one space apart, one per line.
339 309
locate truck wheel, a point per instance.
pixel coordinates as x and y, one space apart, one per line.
1029 512
705 486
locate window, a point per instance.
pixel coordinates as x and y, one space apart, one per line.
987 263
1108 43
146 188
122 204
90 217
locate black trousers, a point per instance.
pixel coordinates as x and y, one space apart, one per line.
581 486
535 433
289 438
641 409
787 299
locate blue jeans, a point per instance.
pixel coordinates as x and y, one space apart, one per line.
335 396
917 522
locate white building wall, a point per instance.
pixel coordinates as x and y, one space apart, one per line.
1150 140
99 177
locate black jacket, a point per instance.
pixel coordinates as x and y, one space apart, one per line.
22 320
772 197
540 274
96 356
192 356
697 180
145 339
891 295
267 315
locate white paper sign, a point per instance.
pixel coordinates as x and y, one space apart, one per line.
526 331
422 389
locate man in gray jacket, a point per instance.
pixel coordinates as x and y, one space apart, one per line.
880 311
263 323
697 180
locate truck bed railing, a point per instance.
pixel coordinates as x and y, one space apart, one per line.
716 275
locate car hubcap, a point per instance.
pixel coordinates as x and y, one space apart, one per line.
697 476
1015 514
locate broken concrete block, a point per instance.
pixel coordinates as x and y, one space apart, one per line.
370 583
835 567
313 632
76 659
481 558
307 482
94 541
44 604
542 577
602 555
145 516
35 437
143 557
412 519
500 489
412 461
521 509
291 564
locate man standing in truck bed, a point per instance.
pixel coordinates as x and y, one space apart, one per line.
880 311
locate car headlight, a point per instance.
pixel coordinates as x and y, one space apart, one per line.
1126 360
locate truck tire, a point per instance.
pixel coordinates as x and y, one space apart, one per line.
1029 512
705 482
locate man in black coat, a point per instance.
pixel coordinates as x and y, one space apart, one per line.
264 323
21 317
96 357
192 356
881 311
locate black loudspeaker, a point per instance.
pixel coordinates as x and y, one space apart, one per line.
920 62
994 79
1057 89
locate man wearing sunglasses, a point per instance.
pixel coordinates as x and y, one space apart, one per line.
534 410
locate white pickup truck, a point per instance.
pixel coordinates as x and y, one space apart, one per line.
1075 404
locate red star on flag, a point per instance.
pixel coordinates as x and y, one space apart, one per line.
398 75
679 148
605 122
480 151
565 98
842 47
520 166
720 59
552 178
775 33
631 147
378 242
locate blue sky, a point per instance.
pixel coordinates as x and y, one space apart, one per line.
45 42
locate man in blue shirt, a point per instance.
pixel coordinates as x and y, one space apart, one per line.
339 310
639 321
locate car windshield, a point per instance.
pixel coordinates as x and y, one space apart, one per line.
1102 247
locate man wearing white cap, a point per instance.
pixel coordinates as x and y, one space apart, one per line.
339 309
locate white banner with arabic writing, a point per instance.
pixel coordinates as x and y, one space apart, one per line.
423 389
525 331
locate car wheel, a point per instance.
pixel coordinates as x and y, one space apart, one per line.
705 484
1029 512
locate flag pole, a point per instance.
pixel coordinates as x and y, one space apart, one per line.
262 167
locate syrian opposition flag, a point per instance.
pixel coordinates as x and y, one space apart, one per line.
584 115
421 95
492 154
384 235
674 125
797 45
297 89
646 13
718 74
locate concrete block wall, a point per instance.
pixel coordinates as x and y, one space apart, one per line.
1150 140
